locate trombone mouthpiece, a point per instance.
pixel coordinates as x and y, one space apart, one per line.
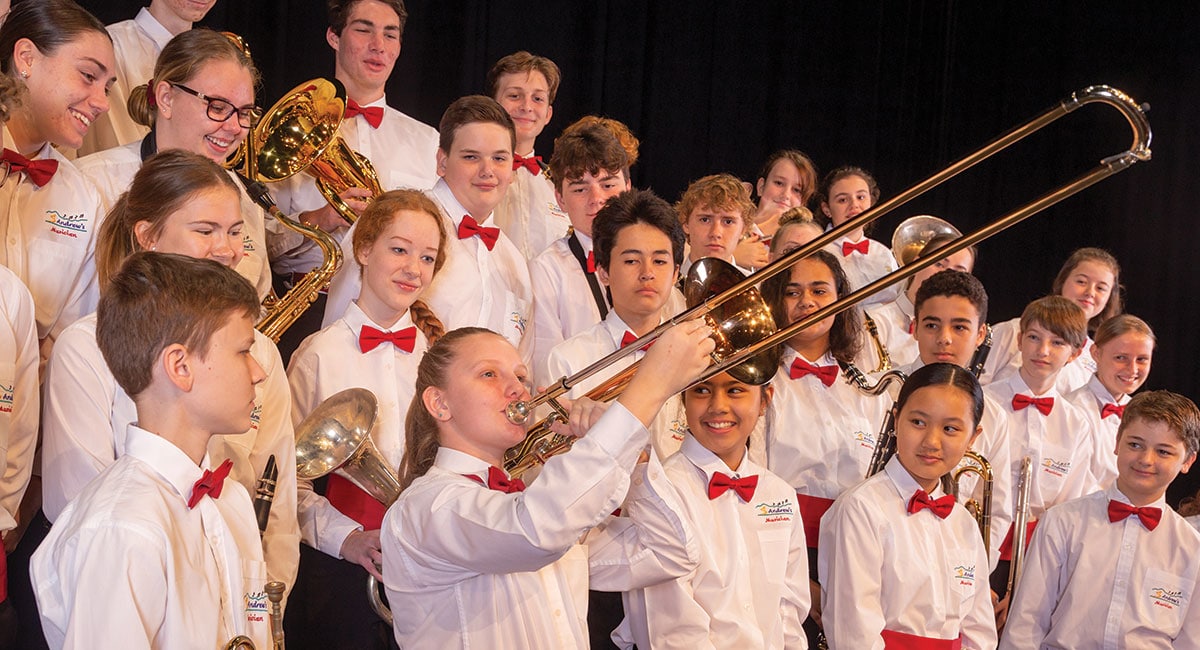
517 412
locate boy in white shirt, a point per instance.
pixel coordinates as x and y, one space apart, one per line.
750 589
1117 568
1042 424
148 555
590 166
526 85
715 213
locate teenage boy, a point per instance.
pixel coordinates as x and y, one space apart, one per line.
715 213
639 246
1042 424
365 36
526 85
137 43
1118 568
159 548
590 167
740 510
950 317
485 280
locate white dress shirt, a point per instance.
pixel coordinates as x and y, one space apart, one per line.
863 269
136 44
112 172
329 361
19 399
899 342
403 152
473 567
529 213
84 429
595 343
1061 445
820 439
50 243
1091 398
883 569
751 587
1005 359
476 287
129 565
563 305
1091 583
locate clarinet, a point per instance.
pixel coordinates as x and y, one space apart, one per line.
264 494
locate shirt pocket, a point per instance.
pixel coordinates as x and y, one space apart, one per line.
773 548
963 576
1054 468
8 401
53 271
255 606
1163 601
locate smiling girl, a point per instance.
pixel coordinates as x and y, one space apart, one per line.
399 244
846 193
901 562
202 101
62 60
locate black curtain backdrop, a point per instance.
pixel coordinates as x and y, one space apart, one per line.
900 88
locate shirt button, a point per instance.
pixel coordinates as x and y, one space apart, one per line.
558 612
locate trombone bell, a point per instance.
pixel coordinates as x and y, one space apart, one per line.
911 236
336 435
738 322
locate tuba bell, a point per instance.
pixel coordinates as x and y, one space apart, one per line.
337 436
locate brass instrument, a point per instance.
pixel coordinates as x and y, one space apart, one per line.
975 463
736 324
240 642
290 137
337 435
340 168
1139 150
274 591
1020 525
914 233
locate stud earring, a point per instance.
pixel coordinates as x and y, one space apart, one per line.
24 74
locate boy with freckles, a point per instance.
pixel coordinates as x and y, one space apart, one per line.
1117 568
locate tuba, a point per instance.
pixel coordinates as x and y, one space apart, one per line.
337 435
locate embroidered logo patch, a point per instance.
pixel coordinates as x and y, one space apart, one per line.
864 439
247 243
965 575
67 225
1056 467
255 417
778 511
6 398
256 606
518 322
1166 598
678 428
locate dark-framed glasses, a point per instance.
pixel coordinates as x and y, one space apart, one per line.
220 110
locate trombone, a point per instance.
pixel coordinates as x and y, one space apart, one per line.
520 411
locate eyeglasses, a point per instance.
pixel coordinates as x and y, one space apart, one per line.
220 110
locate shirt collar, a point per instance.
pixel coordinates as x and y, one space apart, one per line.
1018 385
47 152
584 241
790 355
616 328
454 209
1101 393
906 305
152 28
167 460
1115 494
708 462
460 462
355 318
905 484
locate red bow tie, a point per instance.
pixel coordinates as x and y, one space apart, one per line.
370 338
373 114
1042 404
1150 517
591 262
722 483
210 483
862 247
39 172
532 163
630 337
940 506
497 480
470 227
800 367
1111 409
